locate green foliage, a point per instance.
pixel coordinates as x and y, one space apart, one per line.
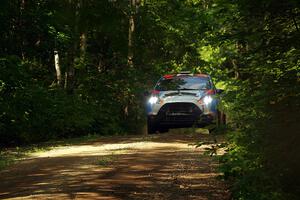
33 107
8 158
262 98
31 113
252 48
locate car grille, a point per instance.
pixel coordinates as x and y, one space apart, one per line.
180 93
179 113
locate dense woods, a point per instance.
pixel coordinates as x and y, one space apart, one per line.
77 67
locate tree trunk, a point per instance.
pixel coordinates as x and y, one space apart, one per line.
57 68
295 22
130 42
70 75
21 28
83 43
66 80
131 29
236 69
83 47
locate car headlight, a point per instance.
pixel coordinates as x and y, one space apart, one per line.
153 100
207 100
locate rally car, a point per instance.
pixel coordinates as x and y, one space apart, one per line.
182 100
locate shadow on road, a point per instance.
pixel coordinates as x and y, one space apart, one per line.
162 167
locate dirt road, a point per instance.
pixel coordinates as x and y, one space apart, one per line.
162 166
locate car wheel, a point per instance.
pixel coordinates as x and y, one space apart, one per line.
151 126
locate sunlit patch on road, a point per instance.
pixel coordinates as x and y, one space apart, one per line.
163 167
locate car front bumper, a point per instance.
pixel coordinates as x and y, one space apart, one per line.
182 114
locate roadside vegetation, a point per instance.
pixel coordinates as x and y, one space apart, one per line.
73 68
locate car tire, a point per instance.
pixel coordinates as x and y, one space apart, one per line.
151 126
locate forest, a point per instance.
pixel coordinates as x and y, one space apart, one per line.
70 68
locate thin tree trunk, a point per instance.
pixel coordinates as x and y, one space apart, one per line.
21 28
236 69
70 75
295 22
131 29
57 68
66 80
130 42
83 42
83 47
130 45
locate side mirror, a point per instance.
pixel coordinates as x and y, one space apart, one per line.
219 91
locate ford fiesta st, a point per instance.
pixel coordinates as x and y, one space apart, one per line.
182 100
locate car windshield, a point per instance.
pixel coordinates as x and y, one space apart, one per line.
184 83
